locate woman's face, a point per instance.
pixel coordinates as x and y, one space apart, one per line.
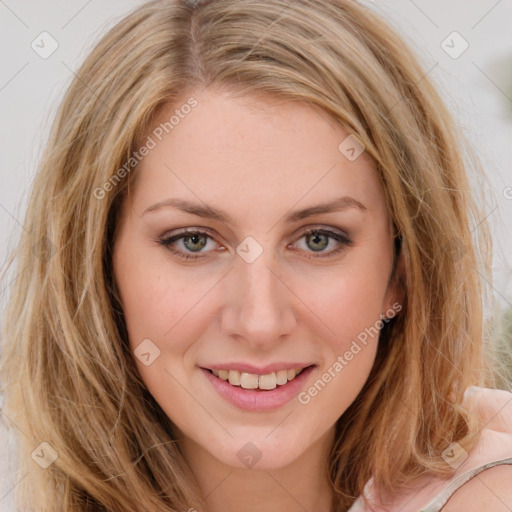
253 297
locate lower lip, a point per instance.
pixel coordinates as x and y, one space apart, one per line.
256 399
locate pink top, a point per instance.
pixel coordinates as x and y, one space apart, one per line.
494 447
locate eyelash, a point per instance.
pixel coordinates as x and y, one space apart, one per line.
168 241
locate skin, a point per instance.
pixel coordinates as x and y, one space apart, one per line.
257 159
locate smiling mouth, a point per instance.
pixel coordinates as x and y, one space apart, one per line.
265 382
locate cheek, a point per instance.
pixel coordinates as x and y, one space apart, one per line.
164 315
349 301
147 311
168 308
350 306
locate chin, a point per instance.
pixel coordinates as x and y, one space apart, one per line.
261 450
252 457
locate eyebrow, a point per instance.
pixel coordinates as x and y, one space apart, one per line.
200 210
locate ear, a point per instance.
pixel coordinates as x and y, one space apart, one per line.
395 293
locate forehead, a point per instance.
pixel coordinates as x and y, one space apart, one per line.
250 151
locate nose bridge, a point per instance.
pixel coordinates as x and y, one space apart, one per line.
258 308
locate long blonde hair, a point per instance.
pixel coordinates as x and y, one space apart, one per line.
67 372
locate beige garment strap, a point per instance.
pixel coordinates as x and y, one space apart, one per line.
441 499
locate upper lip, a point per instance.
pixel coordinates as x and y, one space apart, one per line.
257 370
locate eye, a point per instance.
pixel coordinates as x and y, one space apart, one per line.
318 240
191 241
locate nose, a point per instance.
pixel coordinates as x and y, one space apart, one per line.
259 303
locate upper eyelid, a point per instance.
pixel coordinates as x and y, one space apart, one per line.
301 232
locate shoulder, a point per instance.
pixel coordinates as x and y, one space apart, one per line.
489 490
483 479
493 486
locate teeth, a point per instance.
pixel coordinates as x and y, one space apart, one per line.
268 381
234 378
253 381
248 381
282 377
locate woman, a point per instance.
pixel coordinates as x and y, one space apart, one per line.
251 278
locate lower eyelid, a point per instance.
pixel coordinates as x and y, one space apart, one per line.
342 243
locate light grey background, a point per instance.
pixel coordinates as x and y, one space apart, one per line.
477 86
